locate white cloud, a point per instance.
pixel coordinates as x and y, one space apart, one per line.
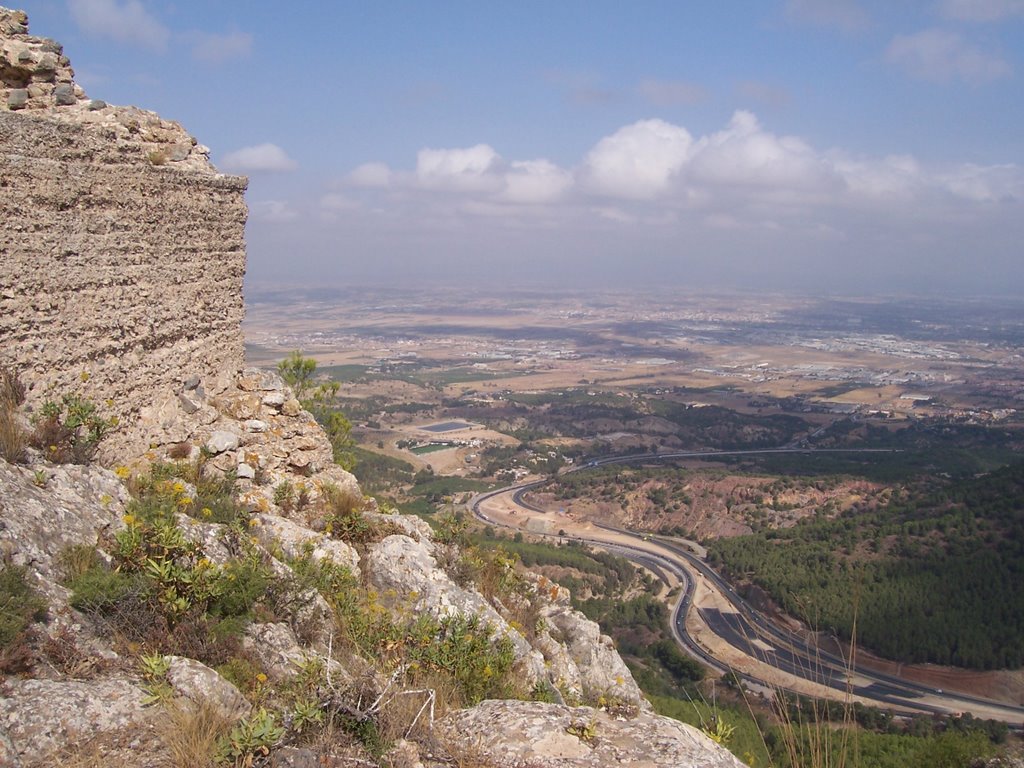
984 184
371 175
258 159
845 15
897 178
744 155
124 22
670 93
536 181
637 161
981 10
654 173
458 169
941 55
216 48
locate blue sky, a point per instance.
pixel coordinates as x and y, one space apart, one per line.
816 145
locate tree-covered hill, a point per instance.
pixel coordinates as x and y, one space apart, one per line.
937 577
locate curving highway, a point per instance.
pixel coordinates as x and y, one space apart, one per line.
736 624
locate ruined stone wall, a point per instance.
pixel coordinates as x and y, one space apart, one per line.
122 250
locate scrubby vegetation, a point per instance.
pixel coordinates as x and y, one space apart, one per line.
20 606
156 592
69 430
66 430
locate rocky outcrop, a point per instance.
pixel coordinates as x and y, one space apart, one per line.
40 717
44 512
198 684
581 659
516 734
247 430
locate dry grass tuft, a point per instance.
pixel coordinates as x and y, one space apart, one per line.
411 712
13 438
190 734
179 451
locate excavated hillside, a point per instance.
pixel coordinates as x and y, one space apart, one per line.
211 588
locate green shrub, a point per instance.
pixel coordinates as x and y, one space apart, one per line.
464 648
185 487
68 431
20 605
243 673
251 739
100 589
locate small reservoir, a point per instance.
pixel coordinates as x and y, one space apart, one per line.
447 426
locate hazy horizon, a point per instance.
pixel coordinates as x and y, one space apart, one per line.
836 146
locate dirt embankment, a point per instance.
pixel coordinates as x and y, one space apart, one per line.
710 505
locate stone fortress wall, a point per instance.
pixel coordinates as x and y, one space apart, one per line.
122 250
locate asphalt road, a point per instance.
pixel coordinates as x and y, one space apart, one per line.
749 631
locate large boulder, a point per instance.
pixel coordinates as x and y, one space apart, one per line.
40 717
518 733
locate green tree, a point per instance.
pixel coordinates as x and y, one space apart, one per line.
298 371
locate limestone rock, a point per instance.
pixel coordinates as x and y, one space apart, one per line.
259 380
42 716
221 441
517 733
198 683
279 652
64 94
415 527
17 98
76 506
599 670
294 540
274 400
406 569
94 224
206 535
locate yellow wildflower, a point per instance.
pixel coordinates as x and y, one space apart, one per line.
206 512
84 375
122 472
128 519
